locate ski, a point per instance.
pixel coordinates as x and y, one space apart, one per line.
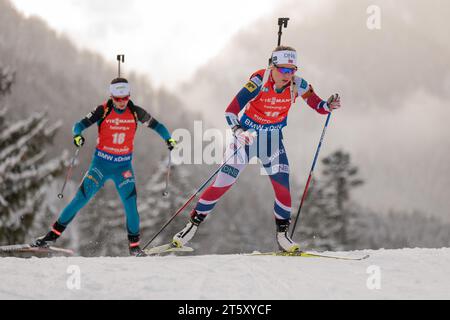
166 248
307 255
26 250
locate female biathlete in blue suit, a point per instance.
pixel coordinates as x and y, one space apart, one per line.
117 121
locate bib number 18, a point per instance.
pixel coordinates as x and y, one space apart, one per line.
118 138
272 114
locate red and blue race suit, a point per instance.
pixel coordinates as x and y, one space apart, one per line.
265 110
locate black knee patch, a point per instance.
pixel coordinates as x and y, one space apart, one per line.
82 189
132 194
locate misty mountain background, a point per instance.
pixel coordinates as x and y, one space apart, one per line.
393 83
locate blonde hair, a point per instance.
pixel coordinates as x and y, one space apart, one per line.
284 48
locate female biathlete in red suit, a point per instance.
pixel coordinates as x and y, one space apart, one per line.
265 101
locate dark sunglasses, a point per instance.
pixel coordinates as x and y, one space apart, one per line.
286 70
124 99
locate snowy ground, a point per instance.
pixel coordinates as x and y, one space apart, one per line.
387 274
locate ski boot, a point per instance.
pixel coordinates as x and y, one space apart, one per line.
50 238
185 235
285 243
135 249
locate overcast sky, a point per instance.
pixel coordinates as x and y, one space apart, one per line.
166 40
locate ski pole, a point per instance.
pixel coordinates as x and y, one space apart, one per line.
69 173
311 173
166 189
120 57
191 198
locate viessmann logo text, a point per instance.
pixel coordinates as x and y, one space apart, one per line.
118 121
275 100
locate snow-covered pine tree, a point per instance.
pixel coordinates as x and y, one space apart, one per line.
340 176
6 81
314 220
25 171
330 221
